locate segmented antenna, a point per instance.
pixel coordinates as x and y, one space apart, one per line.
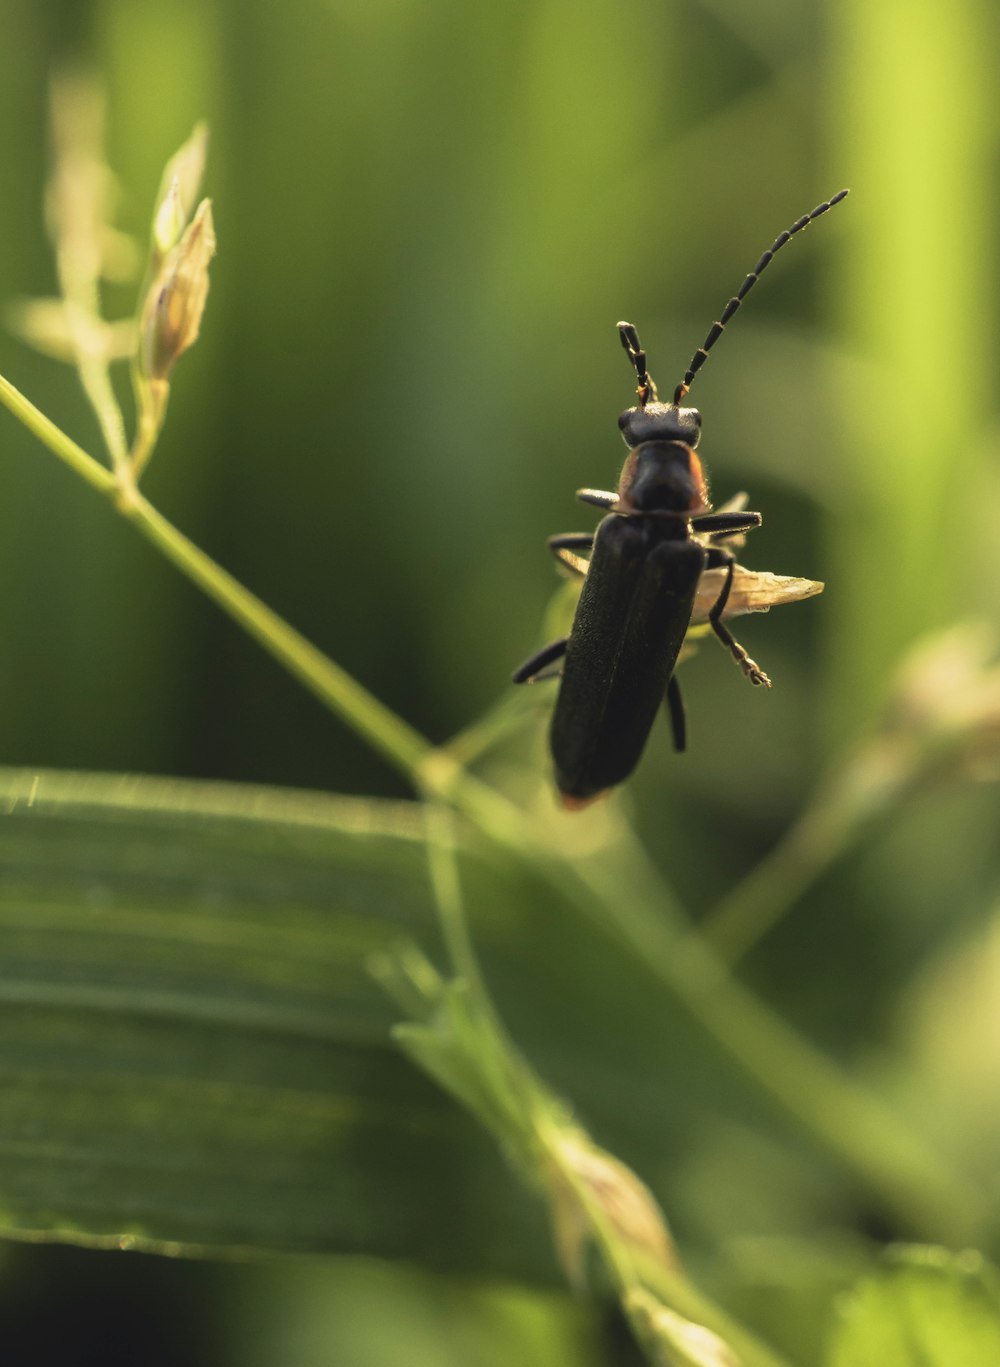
633 349
715 332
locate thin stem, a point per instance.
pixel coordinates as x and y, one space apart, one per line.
924 1194
866 784
682 1296
96 474
95 375
383 729
510 712
632 1268
447 888
626 1267
77 192
761 899
151 407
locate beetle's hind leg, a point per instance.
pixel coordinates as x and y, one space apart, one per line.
674 704
532 670
565 548
751 668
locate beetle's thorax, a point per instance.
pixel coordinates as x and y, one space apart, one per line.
663 477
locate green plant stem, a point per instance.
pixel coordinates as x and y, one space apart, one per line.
620 896
845 1119
383 729
95 474
867 783
447 889
624 897
151 404
680 1295
627 1268
511 712
404 747
742 918
96 380
76 193
632 1268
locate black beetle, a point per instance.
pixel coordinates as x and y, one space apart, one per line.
646 561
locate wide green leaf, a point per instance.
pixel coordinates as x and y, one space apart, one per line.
194 1053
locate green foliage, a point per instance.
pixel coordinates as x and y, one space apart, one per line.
196 1038
753 994
925 1308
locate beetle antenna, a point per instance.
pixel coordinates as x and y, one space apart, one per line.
715 332
629 338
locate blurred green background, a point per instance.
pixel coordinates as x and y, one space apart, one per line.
430 217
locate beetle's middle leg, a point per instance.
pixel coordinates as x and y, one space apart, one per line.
751 669
533 669
566 546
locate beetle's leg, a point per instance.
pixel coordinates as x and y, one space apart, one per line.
675 711
572 541
600 498
725 524
564 549
751 669
532 669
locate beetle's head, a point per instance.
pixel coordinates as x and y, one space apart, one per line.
660 422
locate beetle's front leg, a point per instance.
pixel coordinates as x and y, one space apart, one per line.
751 669
597 498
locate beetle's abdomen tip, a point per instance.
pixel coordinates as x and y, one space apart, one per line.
577 804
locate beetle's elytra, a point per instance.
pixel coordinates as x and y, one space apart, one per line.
646 562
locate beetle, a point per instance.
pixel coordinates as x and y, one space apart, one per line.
646 561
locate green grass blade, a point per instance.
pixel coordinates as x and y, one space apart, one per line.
194 1055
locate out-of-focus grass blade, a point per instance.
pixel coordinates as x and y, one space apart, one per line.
193 1055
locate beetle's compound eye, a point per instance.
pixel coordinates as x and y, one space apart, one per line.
660 422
